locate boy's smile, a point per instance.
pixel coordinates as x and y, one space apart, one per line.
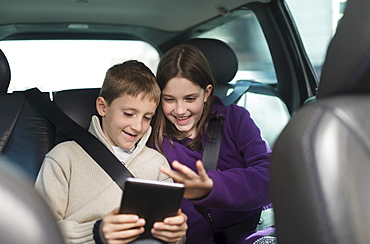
126 119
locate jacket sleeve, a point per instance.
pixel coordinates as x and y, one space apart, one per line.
242 178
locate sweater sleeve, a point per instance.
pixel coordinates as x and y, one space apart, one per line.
242 177
52 184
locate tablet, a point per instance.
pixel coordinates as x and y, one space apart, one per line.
152 200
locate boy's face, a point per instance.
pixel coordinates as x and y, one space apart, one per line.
126 119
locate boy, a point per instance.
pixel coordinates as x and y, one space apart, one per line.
79 191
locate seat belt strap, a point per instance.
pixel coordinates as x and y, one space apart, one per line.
212 145
95 148
240 88
210 154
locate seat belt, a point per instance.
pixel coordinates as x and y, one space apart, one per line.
95 148
240 88
212 146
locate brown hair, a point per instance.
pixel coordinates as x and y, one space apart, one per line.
130 78
185 61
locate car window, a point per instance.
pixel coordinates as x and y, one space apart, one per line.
244 35
316 21
53 65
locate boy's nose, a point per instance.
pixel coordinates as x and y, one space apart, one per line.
136 125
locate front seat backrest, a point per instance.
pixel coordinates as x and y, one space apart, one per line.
320 164
25 216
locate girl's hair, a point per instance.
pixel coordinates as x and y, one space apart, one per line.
185 61
130 78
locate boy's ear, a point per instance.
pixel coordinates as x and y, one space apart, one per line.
101 106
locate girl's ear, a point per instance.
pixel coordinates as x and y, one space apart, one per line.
101 106
207 92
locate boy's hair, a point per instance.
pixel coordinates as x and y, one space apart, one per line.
130 78
184 61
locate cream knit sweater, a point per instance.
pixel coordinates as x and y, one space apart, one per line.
79 192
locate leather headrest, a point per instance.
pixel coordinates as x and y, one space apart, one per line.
4 73
347 66
220 56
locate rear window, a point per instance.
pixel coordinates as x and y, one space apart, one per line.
53 65
245 36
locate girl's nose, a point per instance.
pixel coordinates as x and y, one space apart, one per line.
180 109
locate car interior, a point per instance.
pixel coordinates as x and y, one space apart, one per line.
20 202
320 162
316 126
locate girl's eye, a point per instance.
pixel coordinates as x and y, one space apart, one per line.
168 99
190 99
148 118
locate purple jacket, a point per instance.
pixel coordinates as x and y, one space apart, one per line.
241 180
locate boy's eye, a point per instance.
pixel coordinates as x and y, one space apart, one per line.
127 114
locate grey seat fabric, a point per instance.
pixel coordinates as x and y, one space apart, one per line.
263 102
320 164
25 216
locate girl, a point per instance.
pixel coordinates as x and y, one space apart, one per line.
232 195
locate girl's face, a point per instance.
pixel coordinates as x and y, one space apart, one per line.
183 102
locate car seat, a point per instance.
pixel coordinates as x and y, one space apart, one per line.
25 134
263 102
79 105
25 216
320 164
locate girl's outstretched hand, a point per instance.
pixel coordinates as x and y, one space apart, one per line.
196 185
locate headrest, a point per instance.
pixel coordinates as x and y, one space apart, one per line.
346 69
4 73
220 56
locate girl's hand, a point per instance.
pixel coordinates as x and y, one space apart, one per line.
120 228
196 185
172 229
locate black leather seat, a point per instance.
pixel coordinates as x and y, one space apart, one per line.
25 134
79 105
321 161
263 102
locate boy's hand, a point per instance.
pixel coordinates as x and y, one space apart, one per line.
196 185
120 228
172 229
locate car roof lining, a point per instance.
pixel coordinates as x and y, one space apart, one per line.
145 13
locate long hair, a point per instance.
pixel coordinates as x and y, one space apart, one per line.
185 61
